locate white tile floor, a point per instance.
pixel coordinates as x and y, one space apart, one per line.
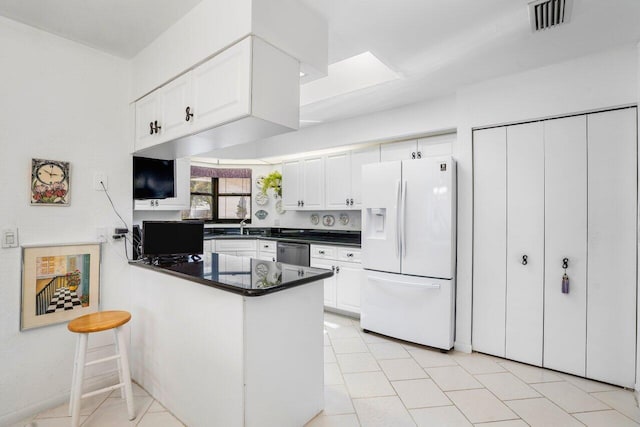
108 410
371 380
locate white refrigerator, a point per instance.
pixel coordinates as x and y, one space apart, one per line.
408 250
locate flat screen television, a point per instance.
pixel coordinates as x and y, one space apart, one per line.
153 178
168 238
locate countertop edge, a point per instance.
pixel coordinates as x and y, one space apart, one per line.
233 289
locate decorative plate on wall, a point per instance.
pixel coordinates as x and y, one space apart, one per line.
279 207
261 214
328 220
262 199
259 182
315 219
344 219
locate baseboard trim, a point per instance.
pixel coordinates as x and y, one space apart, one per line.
462 347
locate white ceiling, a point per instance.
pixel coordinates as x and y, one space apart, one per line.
435 46
119 27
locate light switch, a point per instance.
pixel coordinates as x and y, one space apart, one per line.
9 237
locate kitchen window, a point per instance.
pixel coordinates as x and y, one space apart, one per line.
219 195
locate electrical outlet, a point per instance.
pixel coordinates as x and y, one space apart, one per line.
9 237
101 234
99 178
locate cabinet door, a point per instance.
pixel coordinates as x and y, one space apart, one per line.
182 200
330 283
405 150
221 87
489 240
360 158
565 237
525 234
148 111
611 307
291 185
337 181
435 146
349 279
175 97
313 183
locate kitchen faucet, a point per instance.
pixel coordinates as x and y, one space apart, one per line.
242 224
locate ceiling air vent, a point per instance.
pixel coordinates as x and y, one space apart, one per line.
545 14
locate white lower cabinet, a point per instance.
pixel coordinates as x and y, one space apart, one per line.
342 290
267 250
554 197
237 247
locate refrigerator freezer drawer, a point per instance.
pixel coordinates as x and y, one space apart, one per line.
415 309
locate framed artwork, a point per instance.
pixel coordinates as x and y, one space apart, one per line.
49 183
59 283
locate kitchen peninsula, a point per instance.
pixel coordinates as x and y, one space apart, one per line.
239 347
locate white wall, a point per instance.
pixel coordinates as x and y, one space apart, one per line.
58 100
603 80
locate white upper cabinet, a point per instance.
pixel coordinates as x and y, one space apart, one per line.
303 184
246 92
432 146
405 150
313 183
333 182
182 199
221 90
360 158
338 180
291 185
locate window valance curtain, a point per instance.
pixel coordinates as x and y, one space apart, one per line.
201 171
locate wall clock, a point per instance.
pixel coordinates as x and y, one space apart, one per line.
49 182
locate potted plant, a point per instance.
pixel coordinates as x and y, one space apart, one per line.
273 180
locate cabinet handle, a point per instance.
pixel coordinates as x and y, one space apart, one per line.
321 252
302 203
151 202
351 202
524 260
150 128
419 154
565 263
337 269
413 154
350 255
155 128
298 202
157 203
347 202
189 113
333 268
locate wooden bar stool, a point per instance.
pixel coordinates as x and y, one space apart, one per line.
83 326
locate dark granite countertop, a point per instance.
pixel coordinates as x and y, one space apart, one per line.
241 275
321 237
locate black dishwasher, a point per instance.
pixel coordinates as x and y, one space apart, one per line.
293 253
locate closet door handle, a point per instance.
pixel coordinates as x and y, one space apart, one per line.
524 260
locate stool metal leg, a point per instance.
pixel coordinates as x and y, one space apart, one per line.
126 374
73 376
76 393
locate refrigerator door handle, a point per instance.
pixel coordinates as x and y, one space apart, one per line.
398 205
406 284
404 214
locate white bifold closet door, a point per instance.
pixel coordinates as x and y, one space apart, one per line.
489 240
565 237
525 243
611 297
